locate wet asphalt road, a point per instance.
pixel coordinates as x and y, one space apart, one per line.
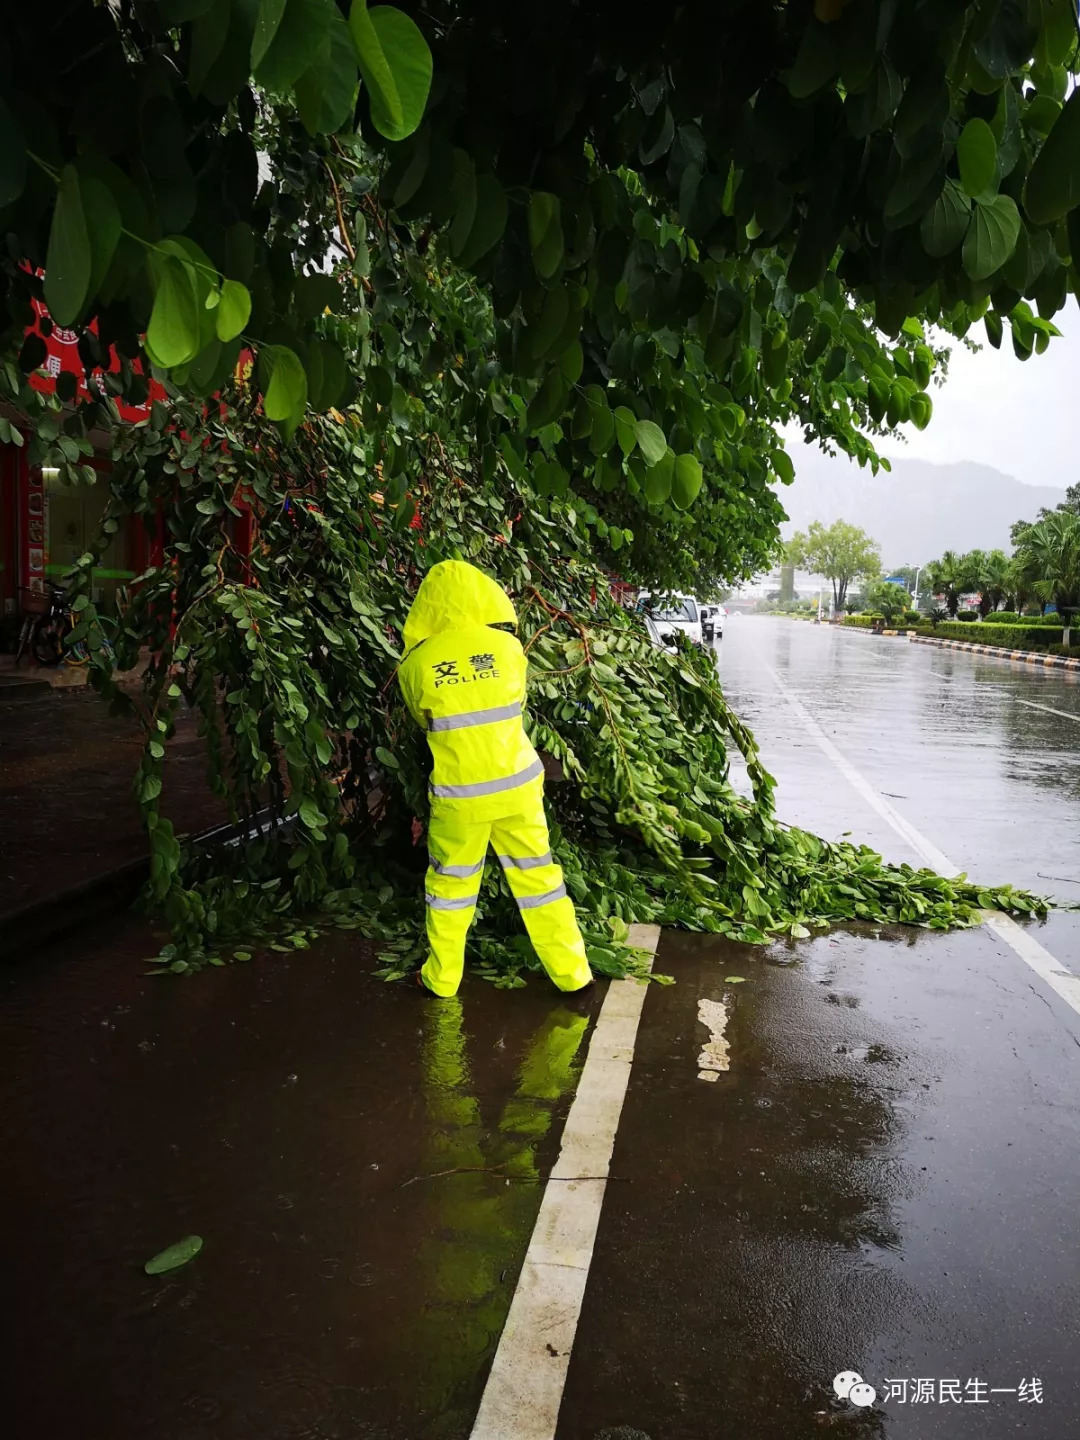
884 1180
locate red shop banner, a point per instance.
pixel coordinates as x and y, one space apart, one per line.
62 357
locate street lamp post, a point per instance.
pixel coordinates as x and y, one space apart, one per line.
915 593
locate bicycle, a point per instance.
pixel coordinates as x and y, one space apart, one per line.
46 625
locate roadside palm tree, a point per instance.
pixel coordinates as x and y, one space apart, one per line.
1049 560
949 578
988 573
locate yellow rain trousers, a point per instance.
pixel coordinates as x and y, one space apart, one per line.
465 684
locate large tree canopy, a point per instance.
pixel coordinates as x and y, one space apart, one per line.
694 224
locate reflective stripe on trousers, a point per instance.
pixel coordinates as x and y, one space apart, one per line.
522 845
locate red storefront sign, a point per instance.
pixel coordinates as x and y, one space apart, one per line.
62 358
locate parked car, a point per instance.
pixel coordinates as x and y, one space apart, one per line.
669 615
712 622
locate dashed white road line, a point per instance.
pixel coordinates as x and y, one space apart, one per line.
1065 714
1061 980
525 1388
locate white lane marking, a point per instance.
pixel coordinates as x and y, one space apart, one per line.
1048 708
524 1390
1061 980
714 1057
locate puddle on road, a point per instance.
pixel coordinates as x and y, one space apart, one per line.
714 1058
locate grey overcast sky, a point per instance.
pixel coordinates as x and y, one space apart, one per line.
1022 417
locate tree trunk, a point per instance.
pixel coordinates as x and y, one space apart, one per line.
839 590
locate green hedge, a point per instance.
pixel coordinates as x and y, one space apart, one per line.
1072 651
1010 617
1012 637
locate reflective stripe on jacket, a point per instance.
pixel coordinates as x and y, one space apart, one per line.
465 684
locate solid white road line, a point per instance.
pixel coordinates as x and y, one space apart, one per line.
524 1390
1062 981
1048 708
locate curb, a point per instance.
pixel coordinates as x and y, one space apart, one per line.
44 921
1028 657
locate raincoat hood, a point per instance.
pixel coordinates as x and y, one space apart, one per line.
452 596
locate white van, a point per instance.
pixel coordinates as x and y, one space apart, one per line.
671 613
712 622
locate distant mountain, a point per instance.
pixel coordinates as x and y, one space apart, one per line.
918 510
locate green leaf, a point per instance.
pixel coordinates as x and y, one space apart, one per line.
300 34
548 402
69 261
603 422
102 226
944 225
176 1255
783 466
976 154
651 441
659 478
326 374
545 233
208 38
687 481
326 91
626 429
735 979
385 758
991 236
233 310
492 209
285 394
12 157
396 65
1053 186
464 202
311 815
173 333
572 362
552 318
266 27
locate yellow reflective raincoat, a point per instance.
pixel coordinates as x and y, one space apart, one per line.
465 684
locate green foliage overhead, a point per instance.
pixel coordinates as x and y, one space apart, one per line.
719 221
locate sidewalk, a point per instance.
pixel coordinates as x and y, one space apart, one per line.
67 812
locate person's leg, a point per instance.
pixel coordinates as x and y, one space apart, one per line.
536 882
456 866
